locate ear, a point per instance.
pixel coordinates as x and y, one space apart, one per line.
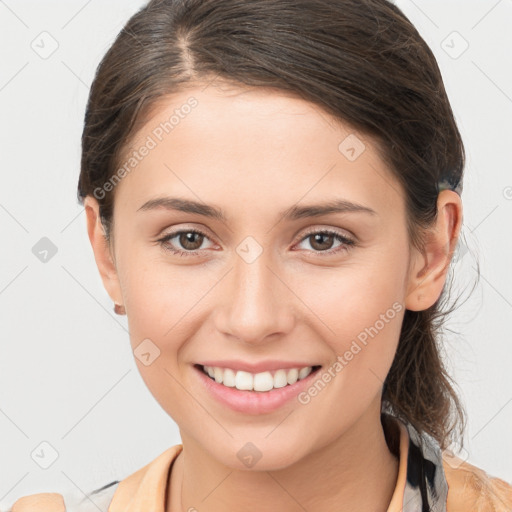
428 269
102 250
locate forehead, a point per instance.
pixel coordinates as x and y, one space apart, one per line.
254 142
217 108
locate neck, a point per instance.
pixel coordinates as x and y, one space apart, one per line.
337 477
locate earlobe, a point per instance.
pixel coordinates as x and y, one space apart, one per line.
428 269
102 250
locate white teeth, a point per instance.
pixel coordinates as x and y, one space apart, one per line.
292 376
243 380
263 381
217 373
304 372
280 379
229 378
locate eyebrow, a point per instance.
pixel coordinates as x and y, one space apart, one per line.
293 213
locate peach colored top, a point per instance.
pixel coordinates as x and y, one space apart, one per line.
425 476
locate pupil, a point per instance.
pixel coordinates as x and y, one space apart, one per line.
319 236
189 239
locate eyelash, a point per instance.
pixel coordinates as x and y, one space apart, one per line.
348 242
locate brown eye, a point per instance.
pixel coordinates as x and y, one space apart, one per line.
189 240
184 242
322 242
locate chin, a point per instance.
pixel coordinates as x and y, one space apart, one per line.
259 455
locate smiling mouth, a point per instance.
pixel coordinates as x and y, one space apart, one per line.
257 382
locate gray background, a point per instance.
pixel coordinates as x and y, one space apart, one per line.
67 373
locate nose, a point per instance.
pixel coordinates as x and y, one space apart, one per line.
257 303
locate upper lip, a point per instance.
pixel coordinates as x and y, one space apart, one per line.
270 365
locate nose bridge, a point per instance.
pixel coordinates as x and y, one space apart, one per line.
257 303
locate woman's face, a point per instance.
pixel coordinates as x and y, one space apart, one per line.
257 285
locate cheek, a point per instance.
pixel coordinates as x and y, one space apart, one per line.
367 318
163 304
364 329
358 311
166 307
157 294
364 337
351 299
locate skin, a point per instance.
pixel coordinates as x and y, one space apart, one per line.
254 153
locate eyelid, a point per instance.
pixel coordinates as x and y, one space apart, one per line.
347 241
322 229
309 231
176 230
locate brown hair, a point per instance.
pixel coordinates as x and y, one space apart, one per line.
363 62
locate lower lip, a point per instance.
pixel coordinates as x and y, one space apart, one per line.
254 402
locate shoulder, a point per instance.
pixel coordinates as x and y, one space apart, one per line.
471 488
95 501
44 502
143 481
